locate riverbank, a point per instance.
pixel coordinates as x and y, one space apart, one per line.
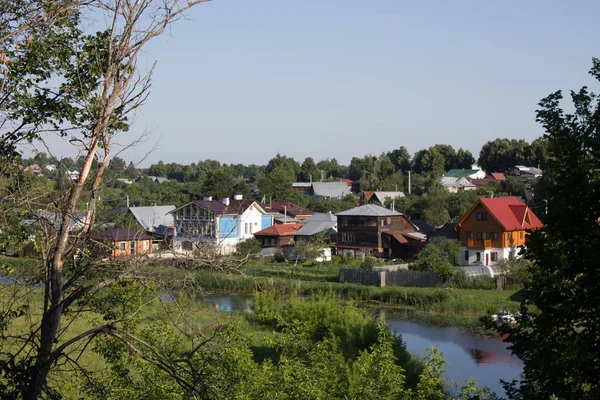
463 307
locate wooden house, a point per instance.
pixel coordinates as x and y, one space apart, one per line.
223 223
124 242
278 235
494 229
372 230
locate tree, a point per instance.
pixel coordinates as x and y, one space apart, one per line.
502 154
513 185
219 183
439 256
248 247
400 158
557 337
309 171
85 86
464 159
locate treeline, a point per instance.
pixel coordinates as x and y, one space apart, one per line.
272 181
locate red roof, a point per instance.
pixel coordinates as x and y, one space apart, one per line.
280 230
498 176
511 213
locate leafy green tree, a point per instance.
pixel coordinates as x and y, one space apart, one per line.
439 256
248 247
557 337
400 157
464 159
513 185
334 169
219 183
500 155
309 171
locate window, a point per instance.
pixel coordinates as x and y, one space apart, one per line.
347 237
478 257
466 255
469 235
145 244
382 221
521 235
389 220
481 216
494 235
122 246
494 256
132 247
481 235
246 228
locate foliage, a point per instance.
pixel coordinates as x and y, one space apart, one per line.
368 263
248 247
310 250
439 256
559 341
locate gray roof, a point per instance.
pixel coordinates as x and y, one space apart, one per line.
381 196
302 184
286 219
317 223
153 217
327 217
369 210
449 181
331 189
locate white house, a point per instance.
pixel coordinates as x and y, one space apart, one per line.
223 223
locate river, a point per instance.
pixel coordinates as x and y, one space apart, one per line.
486 359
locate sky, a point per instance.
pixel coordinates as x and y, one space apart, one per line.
242 80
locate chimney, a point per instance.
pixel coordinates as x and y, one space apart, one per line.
225 201
207 197
238 196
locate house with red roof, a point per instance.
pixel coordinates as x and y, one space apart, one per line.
223 223
494 229
278 235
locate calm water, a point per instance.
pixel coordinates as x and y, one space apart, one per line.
467 355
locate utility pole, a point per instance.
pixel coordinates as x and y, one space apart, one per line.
409 187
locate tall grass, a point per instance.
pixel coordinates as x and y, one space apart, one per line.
440 300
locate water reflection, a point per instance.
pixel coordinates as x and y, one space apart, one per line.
486 359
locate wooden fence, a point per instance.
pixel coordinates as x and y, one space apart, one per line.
389 278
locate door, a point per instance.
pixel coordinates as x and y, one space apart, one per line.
487 259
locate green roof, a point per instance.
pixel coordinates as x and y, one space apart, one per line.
461 173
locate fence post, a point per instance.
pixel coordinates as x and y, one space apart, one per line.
382 276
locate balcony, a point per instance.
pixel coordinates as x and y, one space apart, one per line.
479 243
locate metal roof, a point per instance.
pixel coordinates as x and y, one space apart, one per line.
369 210
331 189
381 196
459 173
449 181
315 227
153 217
321 217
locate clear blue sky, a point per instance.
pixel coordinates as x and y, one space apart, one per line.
240 81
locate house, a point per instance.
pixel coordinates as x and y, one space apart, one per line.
50 168
223 223
330 190
154 220
280 218
494 229
526 172
474 173
302 187
371 230
125 242
277 235
498 176
155 179
422 226
73 174
317 224
455 185
379 197
287 208
481 183
34 169
446 231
